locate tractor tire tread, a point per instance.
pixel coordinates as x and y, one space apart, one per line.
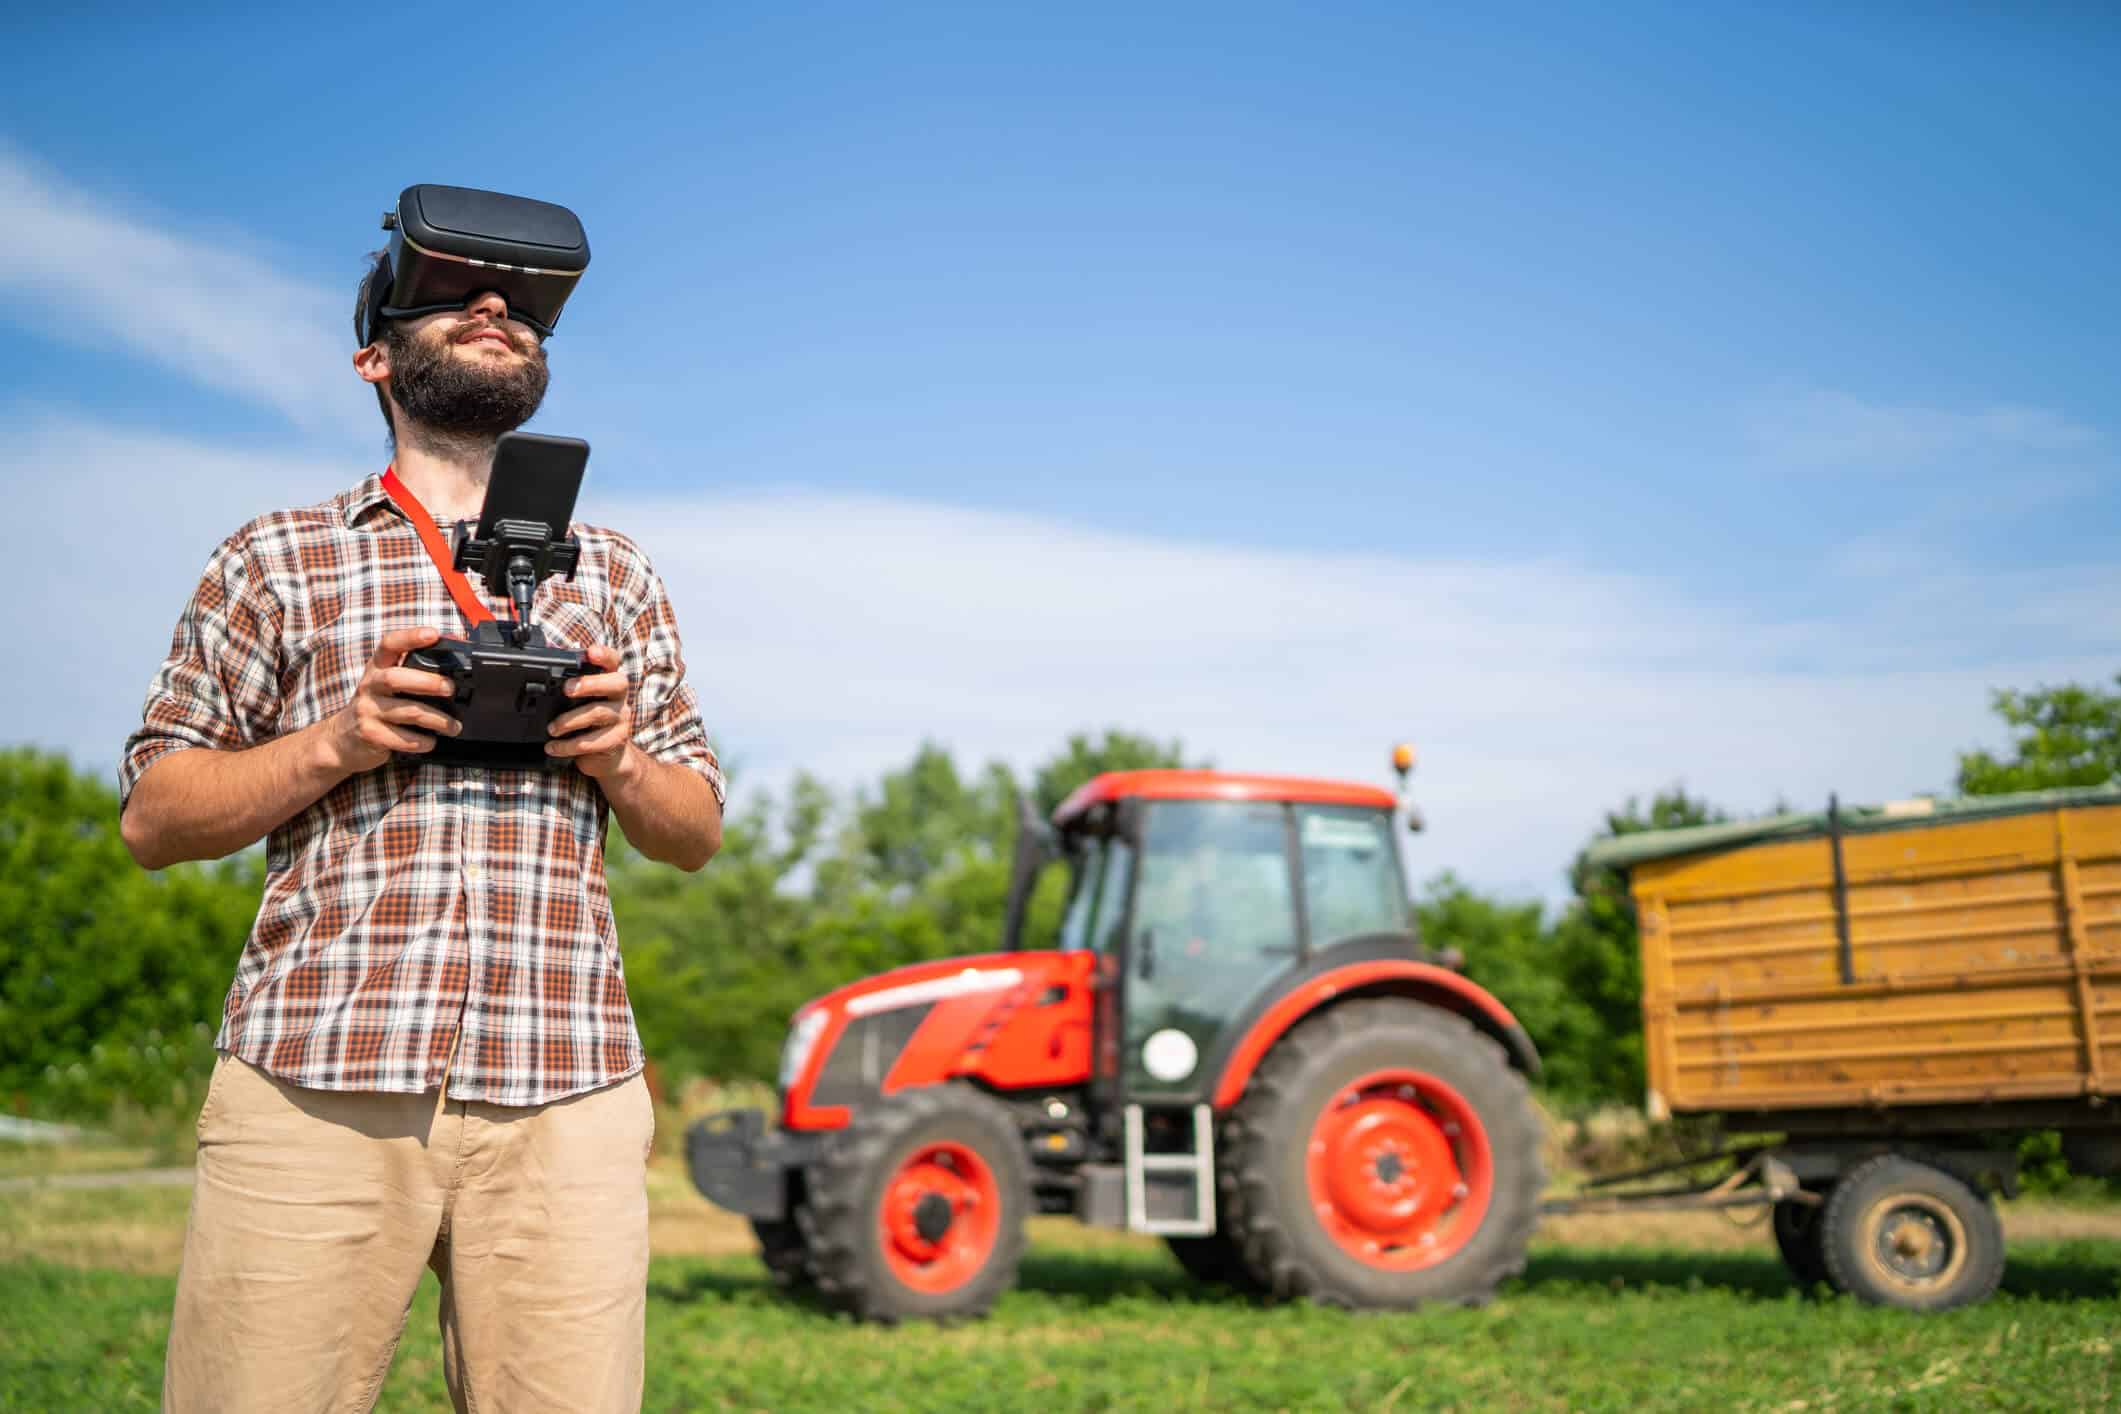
1278 1261
839 1225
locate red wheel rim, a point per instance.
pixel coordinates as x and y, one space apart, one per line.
1399 1170
939 1217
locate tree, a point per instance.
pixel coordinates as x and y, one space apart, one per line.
925 816
111 978
1509 950
1597 954
1058 776
2065 736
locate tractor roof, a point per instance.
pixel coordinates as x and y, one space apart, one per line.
1217 785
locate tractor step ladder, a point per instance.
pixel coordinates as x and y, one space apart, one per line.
1200 1163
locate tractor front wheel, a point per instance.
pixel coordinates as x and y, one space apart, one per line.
1385 1155
918 1209
785 1253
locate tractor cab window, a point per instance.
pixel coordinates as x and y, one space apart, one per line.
1214 923
1097 897
1352 882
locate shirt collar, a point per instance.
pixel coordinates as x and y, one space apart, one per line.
358 502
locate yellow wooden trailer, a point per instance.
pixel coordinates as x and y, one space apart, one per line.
1888 987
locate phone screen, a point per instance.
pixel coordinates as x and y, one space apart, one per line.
534 478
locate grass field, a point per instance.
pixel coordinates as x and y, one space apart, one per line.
1680 1312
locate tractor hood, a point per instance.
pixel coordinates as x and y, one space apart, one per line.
930 1022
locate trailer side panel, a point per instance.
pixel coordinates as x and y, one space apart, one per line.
1983 962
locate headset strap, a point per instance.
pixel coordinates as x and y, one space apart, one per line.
438 550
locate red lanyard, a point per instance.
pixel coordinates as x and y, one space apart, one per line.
438 550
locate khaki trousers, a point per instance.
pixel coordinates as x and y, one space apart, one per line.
315 1213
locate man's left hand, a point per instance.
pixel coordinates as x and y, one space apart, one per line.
597 731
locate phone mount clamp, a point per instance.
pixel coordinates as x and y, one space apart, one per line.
518 556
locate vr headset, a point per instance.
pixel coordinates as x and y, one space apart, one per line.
448 244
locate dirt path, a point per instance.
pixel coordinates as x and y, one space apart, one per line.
127 1178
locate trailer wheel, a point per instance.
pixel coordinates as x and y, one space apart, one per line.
1901 1233
784 1251
1800 1238
1214 1259
918 1209
1384 1155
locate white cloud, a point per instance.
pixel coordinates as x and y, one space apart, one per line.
209 312
1819 428
834 633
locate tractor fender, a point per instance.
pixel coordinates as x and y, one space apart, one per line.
1401 977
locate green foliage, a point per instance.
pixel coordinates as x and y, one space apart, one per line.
1509 950
111 978
2064 736
1597 953
1083 758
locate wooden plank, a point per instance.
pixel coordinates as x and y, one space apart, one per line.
1659 1050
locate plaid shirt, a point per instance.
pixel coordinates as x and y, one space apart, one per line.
413 910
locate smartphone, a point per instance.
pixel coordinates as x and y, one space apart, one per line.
534 478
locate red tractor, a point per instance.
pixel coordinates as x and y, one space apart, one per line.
1239 1044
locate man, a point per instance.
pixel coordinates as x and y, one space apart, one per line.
427 1057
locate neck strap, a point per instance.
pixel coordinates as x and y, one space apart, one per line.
468 600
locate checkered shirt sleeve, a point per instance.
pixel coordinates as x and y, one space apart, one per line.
219 686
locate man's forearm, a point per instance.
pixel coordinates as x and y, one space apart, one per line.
202 804
668 813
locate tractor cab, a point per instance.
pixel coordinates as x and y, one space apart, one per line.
1233 1040
1199 894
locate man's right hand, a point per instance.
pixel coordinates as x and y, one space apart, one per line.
387 713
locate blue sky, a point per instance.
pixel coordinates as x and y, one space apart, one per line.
1601 397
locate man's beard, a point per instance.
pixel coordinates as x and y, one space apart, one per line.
451 400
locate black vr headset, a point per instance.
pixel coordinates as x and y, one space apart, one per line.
448 244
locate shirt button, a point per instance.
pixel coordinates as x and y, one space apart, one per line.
471 873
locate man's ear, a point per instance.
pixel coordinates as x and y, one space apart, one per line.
372 362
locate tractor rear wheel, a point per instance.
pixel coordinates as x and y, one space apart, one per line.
1214 1259
1385 1155
1907 1234
918 1209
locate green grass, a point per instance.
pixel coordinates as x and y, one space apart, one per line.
1119 1328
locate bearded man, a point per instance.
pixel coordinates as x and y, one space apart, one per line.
427 1058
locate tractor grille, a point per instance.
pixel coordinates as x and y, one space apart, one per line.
864 1055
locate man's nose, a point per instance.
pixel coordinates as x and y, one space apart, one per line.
489 304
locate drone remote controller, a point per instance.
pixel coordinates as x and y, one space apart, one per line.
509 684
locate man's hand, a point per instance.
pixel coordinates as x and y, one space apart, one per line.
386 713
597 732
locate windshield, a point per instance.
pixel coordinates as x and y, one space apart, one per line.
1082 897
1099 873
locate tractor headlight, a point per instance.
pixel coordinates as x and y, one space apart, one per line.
802 1039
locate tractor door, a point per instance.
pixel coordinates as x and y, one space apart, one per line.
1215 924
1101 869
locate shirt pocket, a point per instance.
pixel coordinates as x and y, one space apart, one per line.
571 620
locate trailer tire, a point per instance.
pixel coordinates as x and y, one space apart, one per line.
917 1210
1800 1236
1897 1232
1384 1155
